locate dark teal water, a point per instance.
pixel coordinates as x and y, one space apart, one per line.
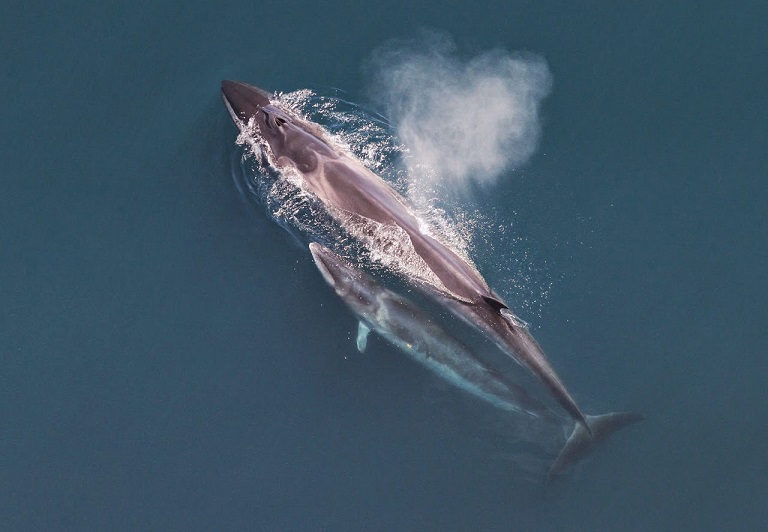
171 360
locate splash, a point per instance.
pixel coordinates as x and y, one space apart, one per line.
389 247
362 133
465 122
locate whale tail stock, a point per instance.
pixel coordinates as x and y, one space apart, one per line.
581 442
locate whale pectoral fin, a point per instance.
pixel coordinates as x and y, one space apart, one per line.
362 336
580 442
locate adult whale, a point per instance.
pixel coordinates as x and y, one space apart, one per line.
353 195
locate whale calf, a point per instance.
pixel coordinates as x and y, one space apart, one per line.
399 321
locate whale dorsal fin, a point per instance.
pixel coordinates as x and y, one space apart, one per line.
494 303
362 336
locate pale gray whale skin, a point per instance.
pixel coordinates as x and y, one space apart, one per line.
407 327
346 186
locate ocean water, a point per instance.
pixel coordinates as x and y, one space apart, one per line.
170 358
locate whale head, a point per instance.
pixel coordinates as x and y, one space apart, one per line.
358 290
250 106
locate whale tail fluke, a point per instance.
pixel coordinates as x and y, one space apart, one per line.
581 442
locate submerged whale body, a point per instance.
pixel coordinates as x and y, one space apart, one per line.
382 221
406 326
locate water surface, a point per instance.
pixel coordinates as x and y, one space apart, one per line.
172 360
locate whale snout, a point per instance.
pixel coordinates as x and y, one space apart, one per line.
243 100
